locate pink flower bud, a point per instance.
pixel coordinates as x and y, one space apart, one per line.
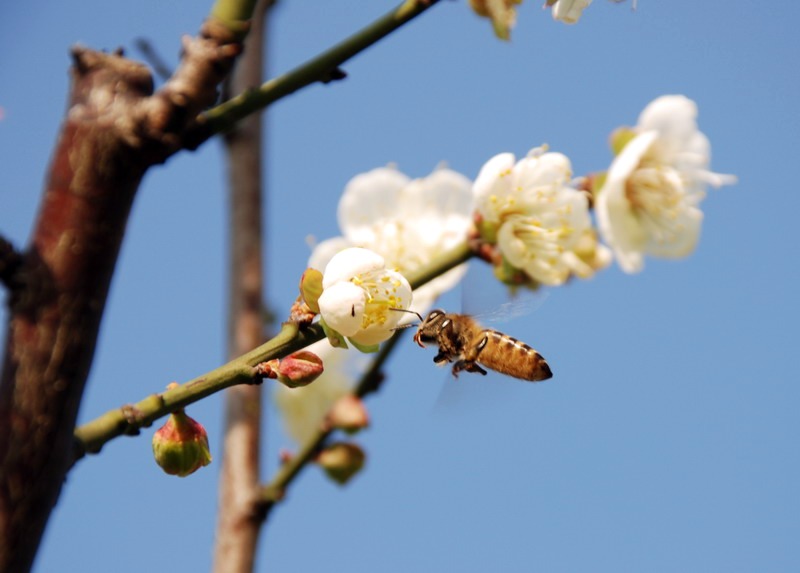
341 461
348 413
180 446
298 369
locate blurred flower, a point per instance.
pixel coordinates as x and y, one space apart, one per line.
180 446
358 296
568 11
341 461
587 256
303 410
349 414
408 223
501 12
537 221
649 201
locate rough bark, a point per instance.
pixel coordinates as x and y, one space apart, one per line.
115 129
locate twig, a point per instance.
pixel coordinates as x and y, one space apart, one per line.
323 68
90 437
275 491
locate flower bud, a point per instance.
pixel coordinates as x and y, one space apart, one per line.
296 370
180 446
341 461
311 288
501 13
348 413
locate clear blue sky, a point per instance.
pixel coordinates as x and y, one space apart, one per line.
668 438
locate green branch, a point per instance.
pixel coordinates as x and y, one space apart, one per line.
323 68
370 381
129 419
274 492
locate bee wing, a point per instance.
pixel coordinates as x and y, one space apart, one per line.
521 304
491 302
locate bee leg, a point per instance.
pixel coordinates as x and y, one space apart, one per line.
472 352
468 366
441 357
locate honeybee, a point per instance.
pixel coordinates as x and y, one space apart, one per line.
465 343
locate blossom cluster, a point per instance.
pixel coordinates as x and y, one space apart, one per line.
529 217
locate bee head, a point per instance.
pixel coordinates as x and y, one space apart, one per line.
428 330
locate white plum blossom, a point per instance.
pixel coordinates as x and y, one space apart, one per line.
536 218
569 11
358 295
649 203
407 222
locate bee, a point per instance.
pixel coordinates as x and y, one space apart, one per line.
465 343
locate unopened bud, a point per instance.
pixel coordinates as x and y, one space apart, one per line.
311 288
180 446
348 413
298 369
501 12
341 461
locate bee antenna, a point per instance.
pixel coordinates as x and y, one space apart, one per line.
409 312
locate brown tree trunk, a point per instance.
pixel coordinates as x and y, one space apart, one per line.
115 129
55 315
239 516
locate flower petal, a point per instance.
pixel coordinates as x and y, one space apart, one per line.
342 305
493 185
350 262
323 252
367 198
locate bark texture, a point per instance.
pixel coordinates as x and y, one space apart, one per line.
115 129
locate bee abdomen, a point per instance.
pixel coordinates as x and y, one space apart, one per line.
507 355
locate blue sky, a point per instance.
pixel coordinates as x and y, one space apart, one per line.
667 439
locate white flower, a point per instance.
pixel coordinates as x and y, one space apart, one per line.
358 293
569 11
407 222
649 201
538 219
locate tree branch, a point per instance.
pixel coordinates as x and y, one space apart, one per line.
115 129
275 490
236 540
323 68
91 436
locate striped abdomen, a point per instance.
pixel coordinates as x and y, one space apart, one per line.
507 355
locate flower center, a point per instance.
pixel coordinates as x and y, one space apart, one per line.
381 294
659 200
